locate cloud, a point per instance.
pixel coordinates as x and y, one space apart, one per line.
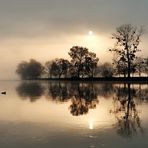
36 18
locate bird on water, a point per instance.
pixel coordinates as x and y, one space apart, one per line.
3 92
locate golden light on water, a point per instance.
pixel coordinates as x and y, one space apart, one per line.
91 124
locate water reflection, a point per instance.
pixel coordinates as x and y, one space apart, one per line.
126 112
82 96
33 91
59 92
85 96
106 90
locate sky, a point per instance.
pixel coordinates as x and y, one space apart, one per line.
47 29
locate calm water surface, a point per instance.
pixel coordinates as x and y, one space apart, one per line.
73 115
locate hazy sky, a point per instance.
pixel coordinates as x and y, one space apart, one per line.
45 29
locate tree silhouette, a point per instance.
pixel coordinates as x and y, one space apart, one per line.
90 64
47 68
120 68
59 67
106 70
140 65
83 61
127 39
30 70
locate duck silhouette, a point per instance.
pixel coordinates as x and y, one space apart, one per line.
3 92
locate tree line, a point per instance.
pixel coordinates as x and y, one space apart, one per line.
85 64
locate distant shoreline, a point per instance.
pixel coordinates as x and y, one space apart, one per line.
100 79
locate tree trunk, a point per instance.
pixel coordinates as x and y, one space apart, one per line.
129 101
128 60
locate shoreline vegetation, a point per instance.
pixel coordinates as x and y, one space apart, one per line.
85 65
143 80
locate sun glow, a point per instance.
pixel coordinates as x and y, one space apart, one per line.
95 42
91 40
90 33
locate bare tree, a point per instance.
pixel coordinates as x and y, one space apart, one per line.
127 39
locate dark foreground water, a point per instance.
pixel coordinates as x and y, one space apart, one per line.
73 115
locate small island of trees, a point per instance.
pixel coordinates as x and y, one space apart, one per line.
84 64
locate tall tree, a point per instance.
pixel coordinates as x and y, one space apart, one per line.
127 39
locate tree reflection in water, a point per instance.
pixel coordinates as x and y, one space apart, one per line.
84 96
31 90
59 92
142 94
126 113
106 90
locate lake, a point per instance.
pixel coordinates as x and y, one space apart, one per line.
41 114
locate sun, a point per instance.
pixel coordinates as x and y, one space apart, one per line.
90 33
